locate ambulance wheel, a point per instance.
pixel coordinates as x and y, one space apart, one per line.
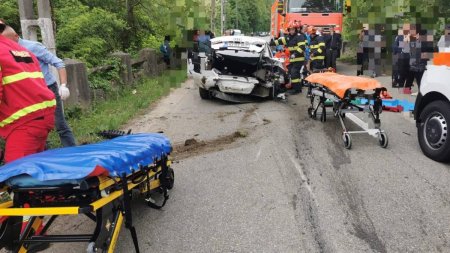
347 140
383 140
204 93
433 131
171 179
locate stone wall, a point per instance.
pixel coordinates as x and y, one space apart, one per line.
77 79
148 63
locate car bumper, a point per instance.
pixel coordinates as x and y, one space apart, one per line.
227 84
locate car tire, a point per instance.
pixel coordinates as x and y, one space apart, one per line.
204 93
433 131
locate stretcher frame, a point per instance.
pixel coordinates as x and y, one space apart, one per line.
109 208
322 98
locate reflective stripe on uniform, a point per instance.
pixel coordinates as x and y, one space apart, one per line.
27 110
317 58
297 59
297 80
21 76
321 44
277 43
292 48
283 40
319 50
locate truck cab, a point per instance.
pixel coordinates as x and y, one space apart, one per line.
432 109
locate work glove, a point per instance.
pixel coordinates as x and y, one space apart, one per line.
64 92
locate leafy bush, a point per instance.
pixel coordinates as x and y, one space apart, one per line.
90 36
105 80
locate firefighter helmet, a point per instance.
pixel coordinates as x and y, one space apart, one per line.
291 24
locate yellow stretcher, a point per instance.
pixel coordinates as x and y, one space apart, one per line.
103 197
340 93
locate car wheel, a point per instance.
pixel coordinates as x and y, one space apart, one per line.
204 93
433 131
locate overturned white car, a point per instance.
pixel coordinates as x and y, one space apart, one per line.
236 67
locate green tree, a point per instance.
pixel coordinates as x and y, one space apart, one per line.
90 36
10 13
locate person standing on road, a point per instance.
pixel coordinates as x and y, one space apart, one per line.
307 33
297 45
404 55
204 42
166 50
360 53
27 106
444 41
333 44
47 59
420 49
317 47
395 59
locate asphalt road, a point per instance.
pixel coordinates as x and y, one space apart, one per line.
264 177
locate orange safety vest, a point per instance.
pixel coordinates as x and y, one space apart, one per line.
24 95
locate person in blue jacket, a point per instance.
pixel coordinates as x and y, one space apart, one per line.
166 50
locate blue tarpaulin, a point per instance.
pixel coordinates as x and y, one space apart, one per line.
117 156
407 105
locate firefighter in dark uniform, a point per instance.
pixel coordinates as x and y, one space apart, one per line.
296 43
317 48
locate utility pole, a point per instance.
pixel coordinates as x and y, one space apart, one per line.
30 22
222 18
213 15
236 2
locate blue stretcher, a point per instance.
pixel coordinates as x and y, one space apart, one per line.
95 180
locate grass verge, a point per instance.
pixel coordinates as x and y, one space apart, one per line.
119 108
348 57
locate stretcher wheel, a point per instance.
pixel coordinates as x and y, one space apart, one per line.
312 113
347 140
171 179
323 116
383 140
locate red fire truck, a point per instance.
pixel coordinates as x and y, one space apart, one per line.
319 13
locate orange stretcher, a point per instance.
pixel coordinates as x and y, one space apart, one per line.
339 92
340 84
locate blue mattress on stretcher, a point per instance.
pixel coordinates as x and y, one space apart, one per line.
67 165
